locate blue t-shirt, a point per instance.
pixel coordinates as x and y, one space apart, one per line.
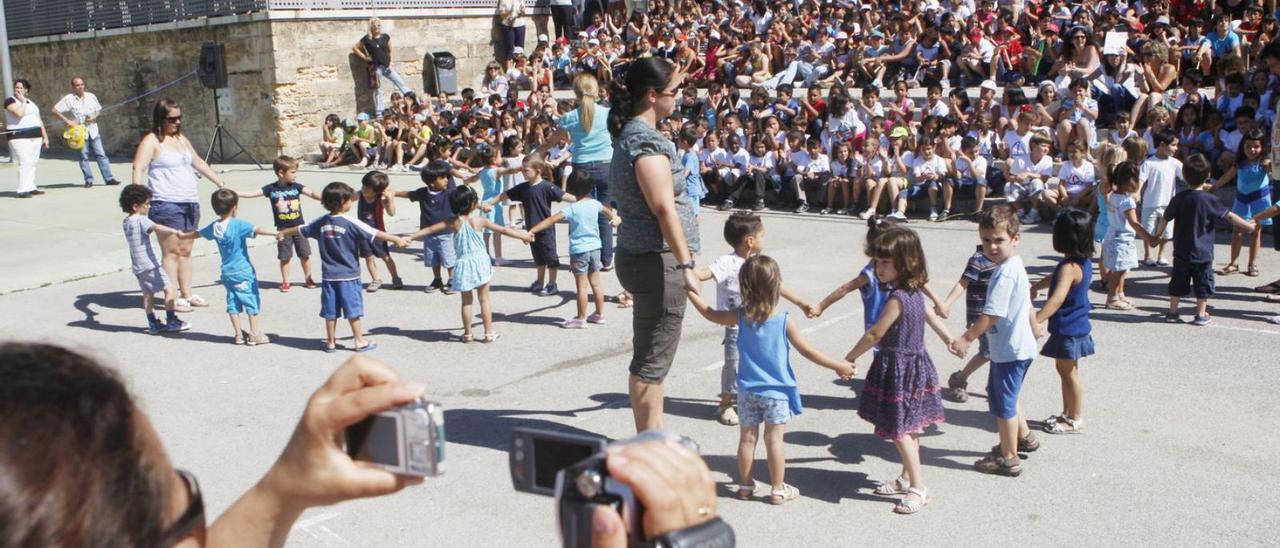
584 225
1222 45
764 360
693 175
336 238
874 295
593 146
1194 213
433 206
536 197
231 237
1010 339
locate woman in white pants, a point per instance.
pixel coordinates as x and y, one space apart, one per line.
27 135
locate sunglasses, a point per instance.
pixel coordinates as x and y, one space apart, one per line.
173 119
192 520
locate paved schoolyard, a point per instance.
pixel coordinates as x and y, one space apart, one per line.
1176 449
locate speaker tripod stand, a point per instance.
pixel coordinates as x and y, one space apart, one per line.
219 133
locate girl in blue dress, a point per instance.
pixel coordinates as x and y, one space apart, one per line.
490 177
474 267
901 396
1253 196
1067 312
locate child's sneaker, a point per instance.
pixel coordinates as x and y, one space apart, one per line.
397 283
1033 217
933 215
900 216
447 289
725 205
803 207
311 284
957 389
1172 317
535 288
549 290
154 326
996 464
434 286
175 325
1201 320
866 214
285 287
759 205
595 318
374 286
574 323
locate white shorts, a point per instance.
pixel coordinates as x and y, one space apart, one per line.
1151 221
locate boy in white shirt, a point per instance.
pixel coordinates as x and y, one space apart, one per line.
1026 180
969 169
813 173
925 172
1156 183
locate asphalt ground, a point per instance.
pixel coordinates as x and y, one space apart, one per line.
1176 450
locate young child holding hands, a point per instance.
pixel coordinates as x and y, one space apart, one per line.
901 396
766 382
584 245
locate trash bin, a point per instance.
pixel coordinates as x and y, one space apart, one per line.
444 71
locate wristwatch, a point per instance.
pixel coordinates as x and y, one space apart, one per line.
685 266
713 534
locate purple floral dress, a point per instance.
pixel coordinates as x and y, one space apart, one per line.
901 395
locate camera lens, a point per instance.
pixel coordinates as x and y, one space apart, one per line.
589 483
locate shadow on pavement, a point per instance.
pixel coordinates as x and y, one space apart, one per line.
491 428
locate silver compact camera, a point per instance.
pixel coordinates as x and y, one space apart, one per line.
406 440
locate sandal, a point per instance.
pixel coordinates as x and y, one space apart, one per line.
908 506
197 300
787 493
1253 271
898 486
1064 425
238 341
491 337
1228 270
255 340
746 492
1119 304
468 338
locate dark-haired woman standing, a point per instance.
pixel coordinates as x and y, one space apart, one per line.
26 136
170 164
658 236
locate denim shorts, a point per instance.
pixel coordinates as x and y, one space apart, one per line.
581 264
1004 383
917 190
182 216
1187 276
242 293
754 409
341 299
437 250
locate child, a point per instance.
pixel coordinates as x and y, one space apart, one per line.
473 268
536 195
1067 311
433 205
1007 320
1076 180
238 276
844 170
900 397
873 290
135 200
687 143
374 201
1119 254
1076 117
745 232
926 172
974 282
584 245
766 382
1026 180
285 196
970 169
336 236
813 174
491 178
1156 182
1253 196
1196 211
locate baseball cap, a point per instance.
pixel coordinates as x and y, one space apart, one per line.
518 50
1052 27
899 131
988 84
542 38
594 42
842 35
362 117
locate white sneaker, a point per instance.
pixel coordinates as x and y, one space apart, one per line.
866 214
1033 217
1274 319
898 215
933 215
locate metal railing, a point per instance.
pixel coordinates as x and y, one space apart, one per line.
31 18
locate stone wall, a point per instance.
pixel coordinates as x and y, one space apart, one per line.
287 70
117 67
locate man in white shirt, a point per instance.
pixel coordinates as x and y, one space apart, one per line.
83 109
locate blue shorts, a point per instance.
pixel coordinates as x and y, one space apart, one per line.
1064 347
242 293
181 216
373 248
1004 383
341 299
437 250
581 264
917 190
754 409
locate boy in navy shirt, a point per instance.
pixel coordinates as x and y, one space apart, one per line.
536 195
433 203
337 237
1194 212
238 276
285 196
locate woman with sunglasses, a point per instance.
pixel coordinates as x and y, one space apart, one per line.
1080 58
167 163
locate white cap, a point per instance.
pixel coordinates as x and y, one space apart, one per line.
988 84
594 42
542 37
518 51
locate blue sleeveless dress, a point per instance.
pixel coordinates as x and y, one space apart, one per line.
901 395
473 268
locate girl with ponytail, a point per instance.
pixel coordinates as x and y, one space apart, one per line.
592 146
